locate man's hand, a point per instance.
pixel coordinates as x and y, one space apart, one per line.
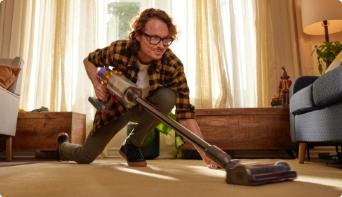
100 92
191 124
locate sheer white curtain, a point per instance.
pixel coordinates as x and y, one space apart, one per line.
237 29
53 37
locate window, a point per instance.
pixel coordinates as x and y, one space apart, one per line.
120 14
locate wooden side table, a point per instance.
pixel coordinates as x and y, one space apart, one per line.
245 128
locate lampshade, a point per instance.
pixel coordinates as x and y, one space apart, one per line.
314 12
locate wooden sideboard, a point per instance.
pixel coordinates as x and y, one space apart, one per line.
245 128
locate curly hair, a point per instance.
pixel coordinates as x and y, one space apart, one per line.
138 25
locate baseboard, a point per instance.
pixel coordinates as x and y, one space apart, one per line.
113 152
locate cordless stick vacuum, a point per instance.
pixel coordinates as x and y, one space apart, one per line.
238 173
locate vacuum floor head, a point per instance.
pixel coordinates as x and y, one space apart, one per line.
260 173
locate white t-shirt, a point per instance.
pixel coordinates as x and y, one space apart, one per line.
142 81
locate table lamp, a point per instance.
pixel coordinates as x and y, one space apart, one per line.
321 17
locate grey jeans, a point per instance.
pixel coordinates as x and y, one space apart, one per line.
163 100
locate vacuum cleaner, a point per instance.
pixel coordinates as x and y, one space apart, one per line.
129 94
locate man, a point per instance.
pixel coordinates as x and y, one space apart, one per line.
146 60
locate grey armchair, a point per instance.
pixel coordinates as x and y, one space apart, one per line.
9 106
316 111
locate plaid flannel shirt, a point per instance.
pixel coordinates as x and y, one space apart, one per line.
166 72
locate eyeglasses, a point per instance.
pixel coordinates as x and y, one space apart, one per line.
156 40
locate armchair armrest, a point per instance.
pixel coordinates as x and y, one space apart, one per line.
300 83
9 108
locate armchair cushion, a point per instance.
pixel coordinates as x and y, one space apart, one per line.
8 74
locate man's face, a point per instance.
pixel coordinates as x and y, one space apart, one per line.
149 52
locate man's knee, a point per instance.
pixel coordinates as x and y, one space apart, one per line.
163 99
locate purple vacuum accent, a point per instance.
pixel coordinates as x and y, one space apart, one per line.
102 72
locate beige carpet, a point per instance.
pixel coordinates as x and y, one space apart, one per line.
161 178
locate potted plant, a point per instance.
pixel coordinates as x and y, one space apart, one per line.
326 53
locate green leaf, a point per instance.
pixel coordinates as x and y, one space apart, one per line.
175 153
164 128
320 68
172 116
178 142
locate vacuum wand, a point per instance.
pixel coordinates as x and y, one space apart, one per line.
129 94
